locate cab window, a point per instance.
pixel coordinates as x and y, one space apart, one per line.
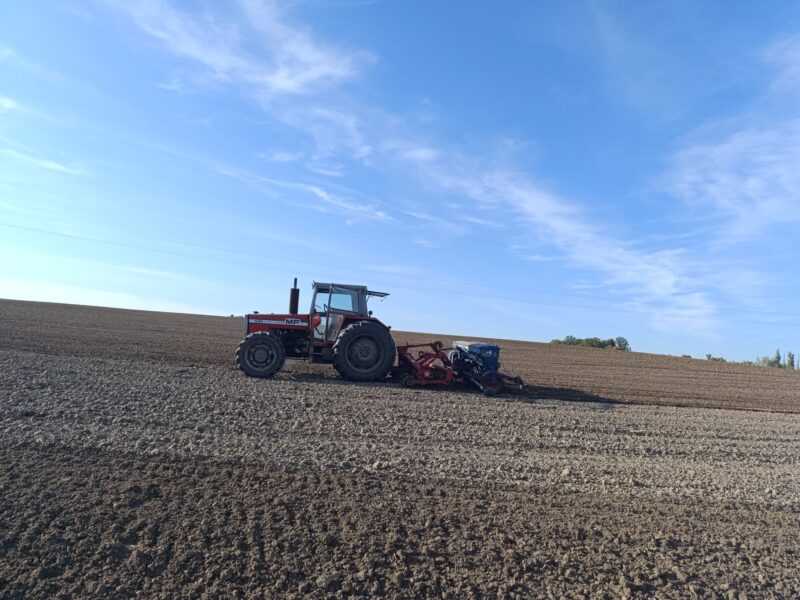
345 300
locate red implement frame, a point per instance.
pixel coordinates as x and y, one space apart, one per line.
423 367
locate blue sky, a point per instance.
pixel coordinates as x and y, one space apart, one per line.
511 170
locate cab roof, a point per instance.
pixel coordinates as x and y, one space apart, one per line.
358 288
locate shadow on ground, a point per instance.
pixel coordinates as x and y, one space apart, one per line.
527 393
537 392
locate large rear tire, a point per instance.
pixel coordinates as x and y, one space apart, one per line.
364 351
260 354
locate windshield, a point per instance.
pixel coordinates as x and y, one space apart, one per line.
340 299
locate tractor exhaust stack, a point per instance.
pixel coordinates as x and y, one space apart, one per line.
294 299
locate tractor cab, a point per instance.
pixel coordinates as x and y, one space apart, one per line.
334 303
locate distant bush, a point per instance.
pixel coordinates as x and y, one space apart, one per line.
715 358
619 343
776 361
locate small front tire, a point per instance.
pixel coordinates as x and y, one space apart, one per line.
260 354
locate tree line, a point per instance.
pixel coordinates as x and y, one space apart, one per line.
619 343
776 361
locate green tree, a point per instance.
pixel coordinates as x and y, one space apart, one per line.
775 361
790 360
594 342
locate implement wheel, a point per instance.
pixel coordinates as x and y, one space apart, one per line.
493 383
260 354
364 351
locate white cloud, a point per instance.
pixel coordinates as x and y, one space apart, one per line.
290 61
747 168
660 282
784 55
301 62
559 223
420 154
49 165
399 270
7 104
328 171
281 156
157 273
483 222
280 59
426 243
353 209
751 177
335 131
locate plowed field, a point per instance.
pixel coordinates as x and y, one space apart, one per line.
135 461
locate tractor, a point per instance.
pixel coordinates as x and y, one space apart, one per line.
339 330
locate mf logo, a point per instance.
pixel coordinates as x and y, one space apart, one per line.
292 321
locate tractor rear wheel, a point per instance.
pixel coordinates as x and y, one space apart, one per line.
364 351
260 354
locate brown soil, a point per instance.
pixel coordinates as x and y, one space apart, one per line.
135 461
550 371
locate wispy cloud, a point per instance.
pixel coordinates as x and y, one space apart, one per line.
18 61
289 61
282 60
301 62
159 274
751 177
42 163
637 70
784 55
335 131
421 154
321 165
326 200
399 270
7 104
282 67
746 169
659 282
281 156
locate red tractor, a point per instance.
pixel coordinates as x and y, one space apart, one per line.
339 329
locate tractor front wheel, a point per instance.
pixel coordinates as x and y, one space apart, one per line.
364 351
260 354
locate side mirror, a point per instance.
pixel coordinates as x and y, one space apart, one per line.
369 313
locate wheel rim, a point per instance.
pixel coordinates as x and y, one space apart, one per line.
364 353
261 356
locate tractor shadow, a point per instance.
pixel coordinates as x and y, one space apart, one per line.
534 393
528 393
